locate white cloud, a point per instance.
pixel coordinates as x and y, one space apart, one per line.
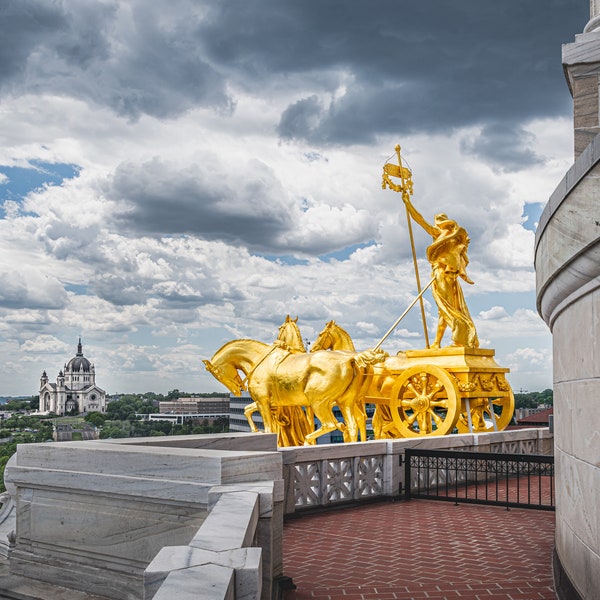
156 252
496 312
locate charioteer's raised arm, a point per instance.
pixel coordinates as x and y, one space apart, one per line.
418 217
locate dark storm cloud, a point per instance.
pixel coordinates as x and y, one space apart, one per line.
130 57
120 291
503 147
247 207
428 66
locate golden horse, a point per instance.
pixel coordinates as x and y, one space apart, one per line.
381 378
277 377
293 424
289 334
333 337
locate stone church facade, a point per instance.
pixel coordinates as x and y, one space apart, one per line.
75 390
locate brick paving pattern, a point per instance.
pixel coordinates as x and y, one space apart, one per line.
421 549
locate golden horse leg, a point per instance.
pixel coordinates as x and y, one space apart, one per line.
248 412
323 411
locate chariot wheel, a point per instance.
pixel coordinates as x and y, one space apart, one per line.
482 418
424 401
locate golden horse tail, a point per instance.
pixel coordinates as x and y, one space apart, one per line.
369 357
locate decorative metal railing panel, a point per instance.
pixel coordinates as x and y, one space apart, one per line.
511 480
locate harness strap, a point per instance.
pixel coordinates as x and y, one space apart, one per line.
276 345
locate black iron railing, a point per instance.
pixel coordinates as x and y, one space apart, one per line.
511 480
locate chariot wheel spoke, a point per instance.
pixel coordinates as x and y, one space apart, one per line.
424 401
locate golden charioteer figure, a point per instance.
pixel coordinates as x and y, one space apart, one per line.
435 391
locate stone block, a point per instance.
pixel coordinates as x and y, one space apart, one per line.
574 483
230 524
585 413
256 442
181 464
574 356
218 583
563 416
245 563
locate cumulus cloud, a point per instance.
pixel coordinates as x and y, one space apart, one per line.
496 312
46 344
217 166
27 288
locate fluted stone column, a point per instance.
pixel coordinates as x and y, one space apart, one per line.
567 263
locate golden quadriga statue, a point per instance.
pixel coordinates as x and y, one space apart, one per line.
434 391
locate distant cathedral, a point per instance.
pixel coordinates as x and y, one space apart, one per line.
75 390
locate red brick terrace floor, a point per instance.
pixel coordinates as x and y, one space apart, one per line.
421 549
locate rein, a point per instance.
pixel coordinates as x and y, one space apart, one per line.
275 346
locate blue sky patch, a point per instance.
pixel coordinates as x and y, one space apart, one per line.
20 181
532 212
344 253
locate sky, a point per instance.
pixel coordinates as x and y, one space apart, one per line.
176 174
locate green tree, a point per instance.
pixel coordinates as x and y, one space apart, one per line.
95 418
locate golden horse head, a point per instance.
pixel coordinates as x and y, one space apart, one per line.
227 375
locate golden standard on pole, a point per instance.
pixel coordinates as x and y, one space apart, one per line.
406 188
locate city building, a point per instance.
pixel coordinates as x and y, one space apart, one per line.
209 406
534 418
75 390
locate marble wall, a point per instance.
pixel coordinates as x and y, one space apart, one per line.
93 515
567 260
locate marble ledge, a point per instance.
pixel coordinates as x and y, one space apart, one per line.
269 493
230 524
135 488
584 49
208 466
245 562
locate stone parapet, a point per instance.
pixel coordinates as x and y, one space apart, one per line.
92 516
567 245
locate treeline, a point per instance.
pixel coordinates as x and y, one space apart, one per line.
533 399
140 428
21 429
32 402
122 419
21 404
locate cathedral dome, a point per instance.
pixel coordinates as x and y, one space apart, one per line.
79 362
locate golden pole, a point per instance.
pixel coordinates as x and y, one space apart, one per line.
414 254
419 297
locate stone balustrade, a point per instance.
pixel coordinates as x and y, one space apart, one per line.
221 561
329 474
